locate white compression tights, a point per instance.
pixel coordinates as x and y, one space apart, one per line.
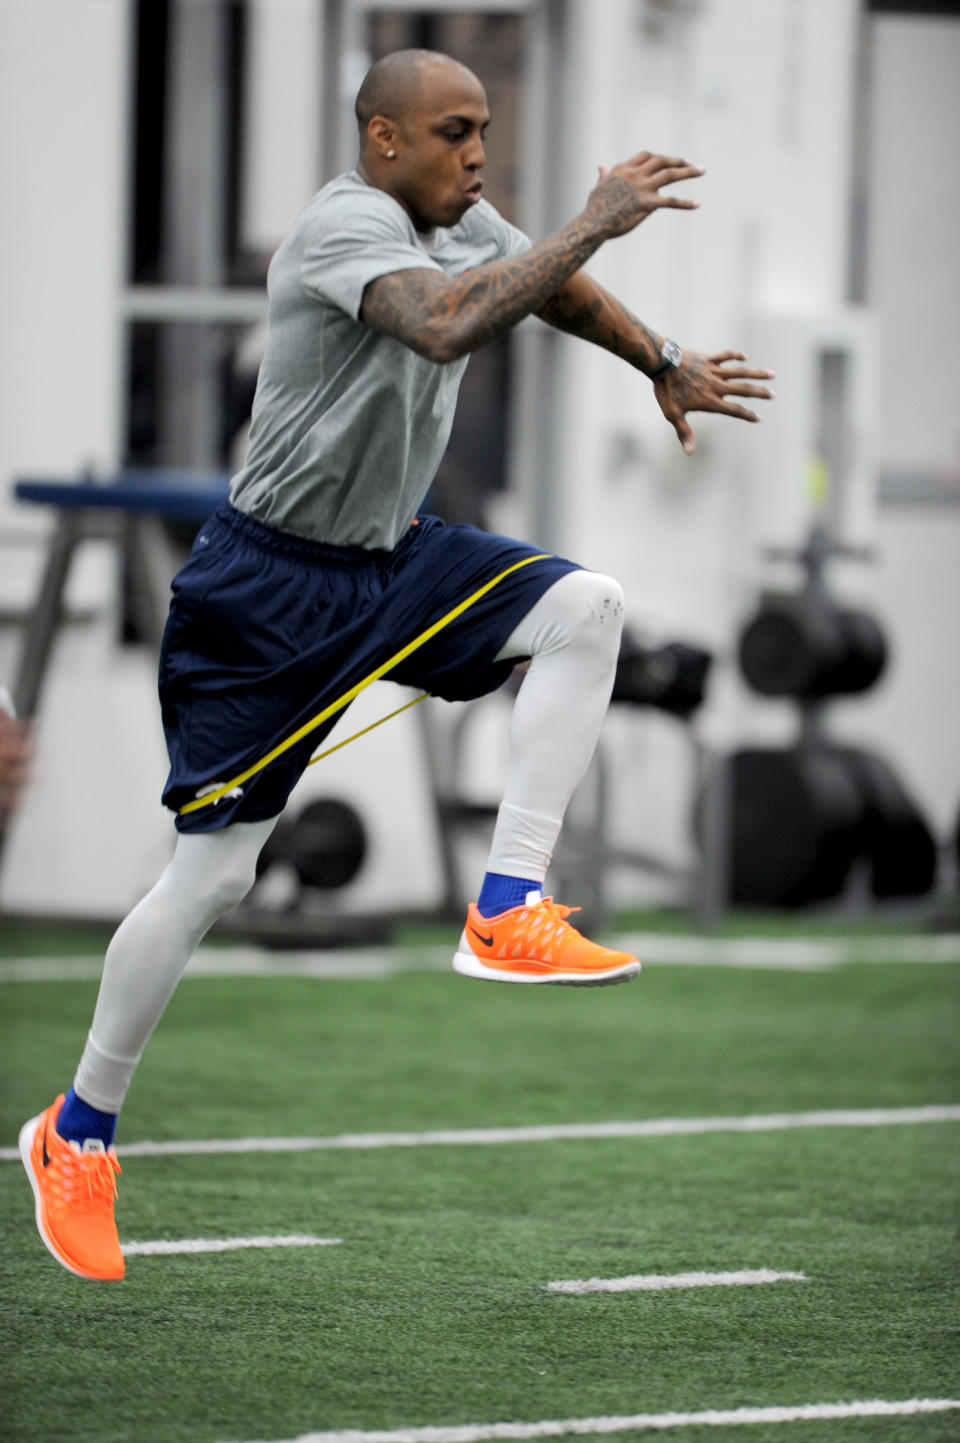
572 636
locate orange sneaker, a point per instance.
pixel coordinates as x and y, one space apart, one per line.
75 1189
535 943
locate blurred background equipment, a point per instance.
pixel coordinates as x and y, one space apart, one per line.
671 676
325 844
804 646
794 825
802 817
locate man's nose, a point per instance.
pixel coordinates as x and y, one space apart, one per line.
474 155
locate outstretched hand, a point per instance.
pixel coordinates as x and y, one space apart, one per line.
703 383
626 194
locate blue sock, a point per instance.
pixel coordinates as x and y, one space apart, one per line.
78 1121
499 892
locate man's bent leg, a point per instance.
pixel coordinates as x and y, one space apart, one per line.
572 636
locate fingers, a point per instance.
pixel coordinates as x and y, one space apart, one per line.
658 172
627 194
678 420
704 383
670 171
741 372
730 408
745 373
650 159
717 408
685 435
662 169
762 393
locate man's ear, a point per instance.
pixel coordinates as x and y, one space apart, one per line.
382 137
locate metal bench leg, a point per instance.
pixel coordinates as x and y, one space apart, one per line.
41 626
39 632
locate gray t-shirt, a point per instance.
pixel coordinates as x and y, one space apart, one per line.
349 425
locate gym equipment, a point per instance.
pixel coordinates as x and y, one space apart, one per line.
129 510
892 833
805 645
794 826
326 844
799 819
800 646
672 677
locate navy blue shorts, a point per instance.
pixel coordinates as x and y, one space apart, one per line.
267 630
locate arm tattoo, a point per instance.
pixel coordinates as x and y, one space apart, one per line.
444 317
593 314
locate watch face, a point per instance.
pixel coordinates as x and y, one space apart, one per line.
672 352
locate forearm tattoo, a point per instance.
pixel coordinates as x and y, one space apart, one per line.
606 322
444 317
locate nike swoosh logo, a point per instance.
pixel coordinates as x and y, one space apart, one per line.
46 1155
487 941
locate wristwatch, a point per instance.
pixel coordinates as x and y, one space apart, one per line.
671 354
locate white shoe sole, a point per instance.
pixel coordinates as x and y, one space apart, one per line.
469 965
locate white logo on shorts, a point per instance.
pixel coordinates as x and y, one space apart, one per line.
230 796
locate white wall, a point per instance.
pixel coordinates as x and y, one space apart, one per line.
282 118
63 77
769 239
63 159
913 288
913 240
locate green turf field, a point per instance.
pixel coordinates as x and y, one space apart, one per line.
433 1310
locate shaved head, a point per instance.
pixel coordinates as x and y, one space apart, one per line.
423 117
394 85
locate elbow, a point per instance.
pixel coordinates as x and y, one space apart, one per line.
443 344
443 355
441 338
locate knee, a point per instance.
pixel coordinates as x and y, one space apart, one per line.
229 882
216 868
593 609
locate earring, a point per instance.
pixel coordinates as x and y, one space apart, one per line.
391 155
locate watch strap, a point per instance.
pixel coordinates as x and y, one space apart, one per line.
671 353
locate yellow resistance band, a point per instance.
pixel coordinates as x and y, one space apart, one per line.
329 751
210 798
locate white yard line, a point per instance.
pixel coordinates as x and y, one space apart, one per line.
638 1422
163 1248
785 953
557 1132
663 1282
791 954
354 962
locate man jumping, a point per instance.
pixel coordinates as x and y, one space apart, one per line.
321 575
